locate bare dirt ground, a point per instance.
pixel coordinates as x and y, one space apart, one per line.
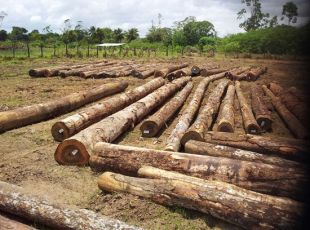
27 153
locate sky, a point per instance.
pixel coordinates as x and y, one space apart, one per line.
125 14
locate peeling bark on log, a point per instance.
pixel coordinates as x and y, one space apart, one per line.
163 72
258 177
204 148
289 148
260 109
255 73
249 122
226 119
290 120
207 114
235 73
209 72
15 201
77 149
34 113
10 224
275 88
73 124
174 140
176 74
151 126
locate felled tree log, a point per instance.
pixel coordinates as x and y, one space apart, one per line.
34 113
249 122
235 73
15 201
259 108
258 177
290 120
226 118
176 74
10 224
77 149
205 148
207 114
90 71
144 72
165 71
107 71
151 126
208 72
195 70
255 73
174 140
73 124
249 210
275 88
53 71
289 148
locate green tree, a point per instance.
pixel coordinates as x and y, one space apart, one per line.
132 34
208 42
195 30
257 18
3 35
179 39
118 35
290 11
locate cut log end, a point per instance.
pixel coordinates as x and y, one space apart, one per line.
225 126
149 128
71 152
253 129
264 123
195 70
191 135
60 131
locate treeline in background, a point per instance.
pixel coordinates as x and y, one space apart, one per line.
265 34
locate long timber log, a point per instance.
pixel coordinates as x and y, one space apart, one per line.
52 71
260 109
14 200
236 73
34 113
275 88
10 224
151 126
145 72
73 124
249 121
77 149
259 177
208 72
238 206
216 150
226 118
255 73
163 72
174 140
289 148
295 126
207 114
106 71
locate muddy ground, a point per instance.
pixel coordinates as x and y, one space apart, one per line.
27 153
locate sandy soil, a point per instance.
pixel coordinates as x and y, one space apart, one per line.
27 153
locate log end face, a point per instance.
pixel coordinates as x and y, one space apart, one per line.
71 152
149 128
191 135
264 123
225 127
60 131
253 129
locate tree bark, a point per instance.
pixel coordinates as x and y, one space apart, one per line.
207 114
260 109
96 71
10 224
205 148
259 177
77 149
255 73
144 72
35 113
291 121
275 88
236 72
208 72
174 140
176 74
73 124
289 148
249 122
163 72
15 201
226 119
151 126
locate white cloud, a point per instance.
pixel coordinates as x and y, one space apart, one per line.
37 14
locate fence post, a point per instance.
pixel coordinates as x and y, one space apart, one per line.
28 49
41 48
97 51
13 49
54 50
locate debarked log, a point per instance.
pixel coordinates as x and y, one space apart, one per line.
249 121
34 113
247 209
71 125
77 149
265 178
151 126
14 200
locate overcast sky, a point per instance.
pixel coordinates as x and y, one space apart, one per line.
36 14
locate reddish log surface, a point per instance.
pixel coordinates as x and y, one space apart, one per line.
165 71
35 113
265 178
10 224
15 201
77 149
